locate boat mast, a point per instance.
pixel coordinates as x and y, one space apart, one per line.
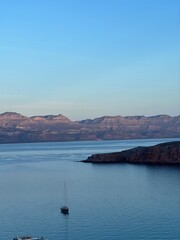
65 194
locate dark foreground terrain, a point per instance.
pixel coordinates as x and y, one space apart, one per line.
165 153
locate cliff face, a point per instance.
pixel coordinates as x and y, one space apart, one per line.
17 128
134 127
165 153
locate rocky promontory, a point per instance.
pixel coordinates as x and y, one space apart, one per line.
164 153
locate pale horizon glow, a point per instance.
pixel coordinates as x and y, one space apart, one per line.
86 59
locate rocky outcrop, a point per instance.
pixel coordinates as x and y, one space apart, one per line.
52 118
15 127
165 153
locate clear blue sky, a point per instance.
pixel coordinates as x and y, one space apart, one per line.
88 58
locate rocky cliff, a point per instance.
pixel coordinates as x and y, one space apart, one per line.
165 153
15 127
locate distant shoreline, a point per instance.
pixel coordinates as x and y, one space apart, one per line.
69 141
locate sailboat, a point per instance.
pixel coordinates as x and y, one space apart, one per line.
65 209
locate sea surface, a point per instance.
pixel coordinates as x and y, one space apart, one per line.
106 201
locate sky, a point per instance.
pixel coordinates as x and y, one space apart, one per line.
90 58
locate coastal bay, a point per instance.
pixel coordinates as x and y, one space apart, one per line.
106 201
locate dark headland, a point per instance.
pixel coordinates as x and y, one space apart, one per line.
16 128
164 153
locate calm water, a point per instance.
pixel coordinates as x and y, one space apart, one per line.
107 202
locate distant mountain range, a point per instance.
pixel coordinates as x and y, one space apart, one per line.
16 128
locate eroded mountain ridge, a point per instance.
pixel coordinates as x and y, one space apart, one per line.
15 127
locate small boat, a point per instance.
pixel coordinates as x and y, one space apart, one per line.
65 210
